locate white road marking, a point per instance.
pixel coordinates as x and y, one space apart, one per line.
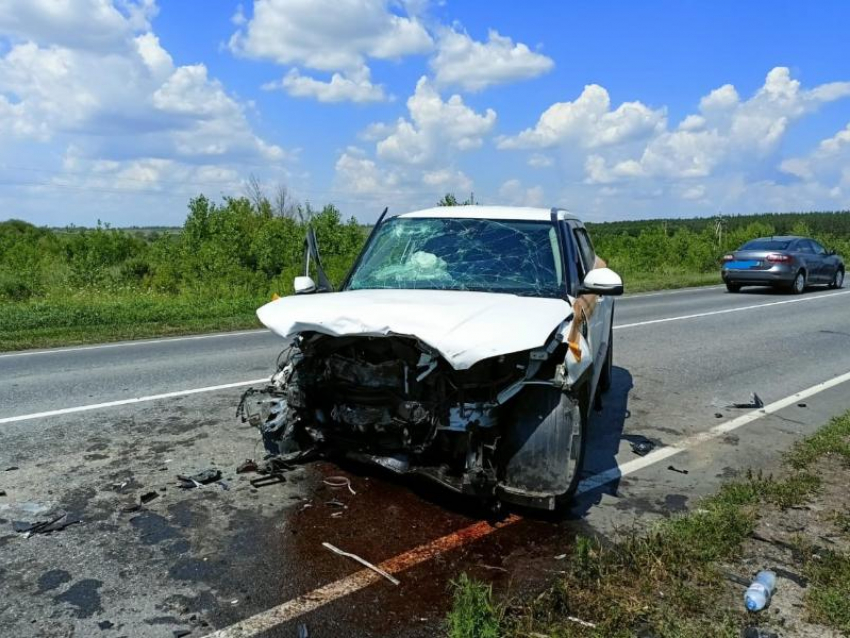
726 311
357 581
127 344
179 393
113 404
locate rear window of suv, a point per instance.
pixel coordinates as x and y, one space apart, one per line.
766 244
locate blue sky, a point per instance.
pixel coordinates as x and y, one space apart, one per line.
121 110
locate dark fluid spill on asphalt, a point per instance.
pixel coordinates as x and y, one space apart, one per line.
273 560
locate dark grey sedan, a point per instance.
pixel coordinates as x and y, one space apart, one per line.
788 261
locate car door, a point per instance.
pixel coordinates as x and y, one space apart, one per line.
826 270
806 257
593 312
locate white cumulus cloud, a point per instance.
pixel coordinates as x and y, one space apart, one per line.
727 133
338 89
472 65
434 126
589 122
329 35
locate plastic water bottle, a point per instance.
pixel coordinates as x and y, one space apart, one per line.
758 594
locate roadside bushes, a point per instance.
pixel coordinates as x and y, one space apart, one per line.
236 248
247 248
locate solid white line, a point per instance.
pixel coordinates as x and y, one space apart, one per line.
112 404
726 311
716 432
285 612
141 342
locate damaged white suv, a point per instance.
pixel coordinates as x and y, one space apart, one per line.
467 345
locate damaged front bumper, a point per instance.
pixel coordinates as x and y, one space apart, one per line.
396 403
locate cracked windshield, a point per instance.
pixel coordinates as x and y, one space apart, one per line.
514 257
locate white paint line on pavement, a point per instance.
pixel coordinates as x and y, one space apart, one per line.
113 404
179 393
326 594
726 311
141 342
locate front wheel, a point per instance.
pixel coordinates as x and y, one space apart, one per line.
733 287
543 449
838 280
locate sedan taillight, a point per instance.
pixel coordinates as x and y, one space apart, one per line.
778 258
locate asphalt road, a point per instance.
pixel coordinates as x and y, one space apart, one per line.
205 559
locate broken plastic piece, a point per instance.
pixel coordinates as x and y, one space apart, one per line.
199 479
676 469
302 631
339 481
365 563
248 465
56 524
269 479
180 633
2 492
147 497
642 448
802 405
755 402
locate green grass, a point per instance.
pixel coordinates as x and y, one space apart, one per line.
644 282
828 597
474 614
831 439
670 581
92 318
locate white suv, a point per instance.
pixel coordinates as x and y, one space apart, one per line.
466 345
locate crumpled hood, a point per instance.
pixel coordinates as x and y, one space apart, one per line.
464 327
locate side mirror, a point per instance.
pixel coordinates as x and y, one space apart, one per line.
830 252
303 285
602 281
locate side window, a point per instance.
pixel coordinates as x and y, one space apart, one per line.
819 250
574 267
805 246
585 248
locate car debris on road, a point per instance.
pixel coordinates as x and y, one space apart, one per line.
55 524
200 479
339 481
365 563
754 402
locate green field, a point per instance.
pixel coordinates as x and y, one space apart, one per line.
77 285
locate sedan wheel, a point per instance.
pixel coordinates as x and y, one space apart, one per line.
838 280
799 284
733 287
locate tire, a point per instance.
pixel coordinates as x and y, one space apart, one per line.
733 287
838 279
799 283
543 452
607 376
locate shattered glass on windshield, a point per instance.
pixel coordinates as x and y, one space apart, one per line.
515 257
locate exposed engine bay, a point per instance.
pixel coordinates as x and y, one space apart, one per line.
396 402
